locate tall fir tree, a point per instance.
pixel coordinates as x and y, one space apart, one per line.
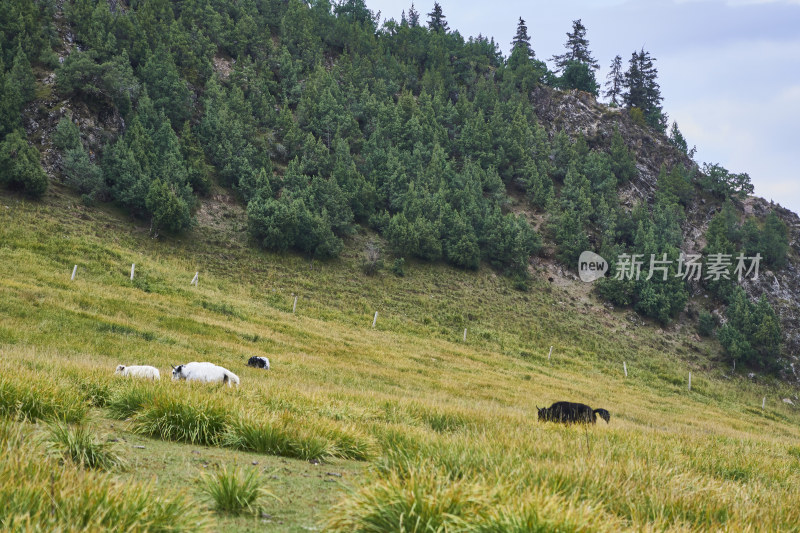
577 46
522 41
413 16
642 90
614 81
436 19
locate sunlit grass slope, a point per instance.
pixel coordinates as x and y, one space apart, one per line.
437 431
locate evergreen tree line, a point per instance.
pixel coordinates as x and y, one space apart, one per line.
412 130
25 34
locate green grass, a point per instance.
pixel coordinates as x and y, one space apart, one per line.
428 430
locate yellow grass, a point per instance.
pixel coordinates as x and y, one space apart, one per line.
447 429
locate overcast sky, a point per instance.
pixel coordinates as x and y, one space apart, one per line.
729 70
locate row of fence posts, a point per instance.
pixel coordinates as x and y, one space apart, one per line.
196 277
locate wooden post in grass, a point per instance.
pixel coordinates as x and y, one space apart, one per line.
690 381
763 402
194 279
550 353
625 368
374 320
465 334
74 271
133 267
294 306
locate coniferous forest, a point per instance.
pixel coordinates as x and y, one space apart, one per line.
322 118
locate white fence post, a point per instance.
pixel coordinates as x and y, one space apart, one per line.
625 368
465 334
133 267
374 320
763 402
690 381
550 353
294 306
74 271
195 278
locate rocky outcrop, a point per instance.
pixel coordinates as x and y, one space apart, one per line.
579 112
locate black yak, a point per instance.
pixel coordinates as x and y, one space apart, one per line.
569 413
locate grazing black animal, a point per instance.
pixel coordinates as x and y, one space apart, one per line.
258 362
571 413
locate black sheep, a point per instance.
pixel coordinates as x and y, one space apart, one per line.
569 413
258 362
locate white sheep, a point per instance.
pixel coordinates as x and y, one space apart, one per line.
204 372
139 371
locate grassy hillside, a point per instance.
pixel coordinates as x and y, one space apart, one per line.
358 428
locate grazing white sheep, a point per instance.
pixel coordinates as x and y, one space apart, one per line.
139 371
204 372
258 362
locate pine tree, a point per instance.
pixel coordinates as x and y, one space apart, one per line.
436 19
642 90
577 48
413 16
614 81
21 76
522 41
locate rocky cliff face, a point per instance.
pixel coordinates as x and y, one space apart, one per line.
579 112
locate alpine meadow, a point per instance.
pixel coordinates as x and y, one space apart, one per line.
404 252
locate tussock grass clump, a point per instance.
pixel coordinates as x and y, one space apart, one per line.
96 391
261 436
275 437
127 401
82 447
197 421
40 494
287 437
423 497
232 491
27 397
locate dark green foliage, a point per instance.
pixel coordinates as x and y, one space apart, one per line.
436 19
20 78
771 241
706 323
579 76
398 267
677 140
752 334
165 87
577 49
642 91
83 175
66 136
614 82
660 292
622 162
725 184
20 166
677 184
726 235
112 81
168 207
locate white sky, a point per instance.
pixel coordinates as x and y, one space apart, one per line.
729 70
